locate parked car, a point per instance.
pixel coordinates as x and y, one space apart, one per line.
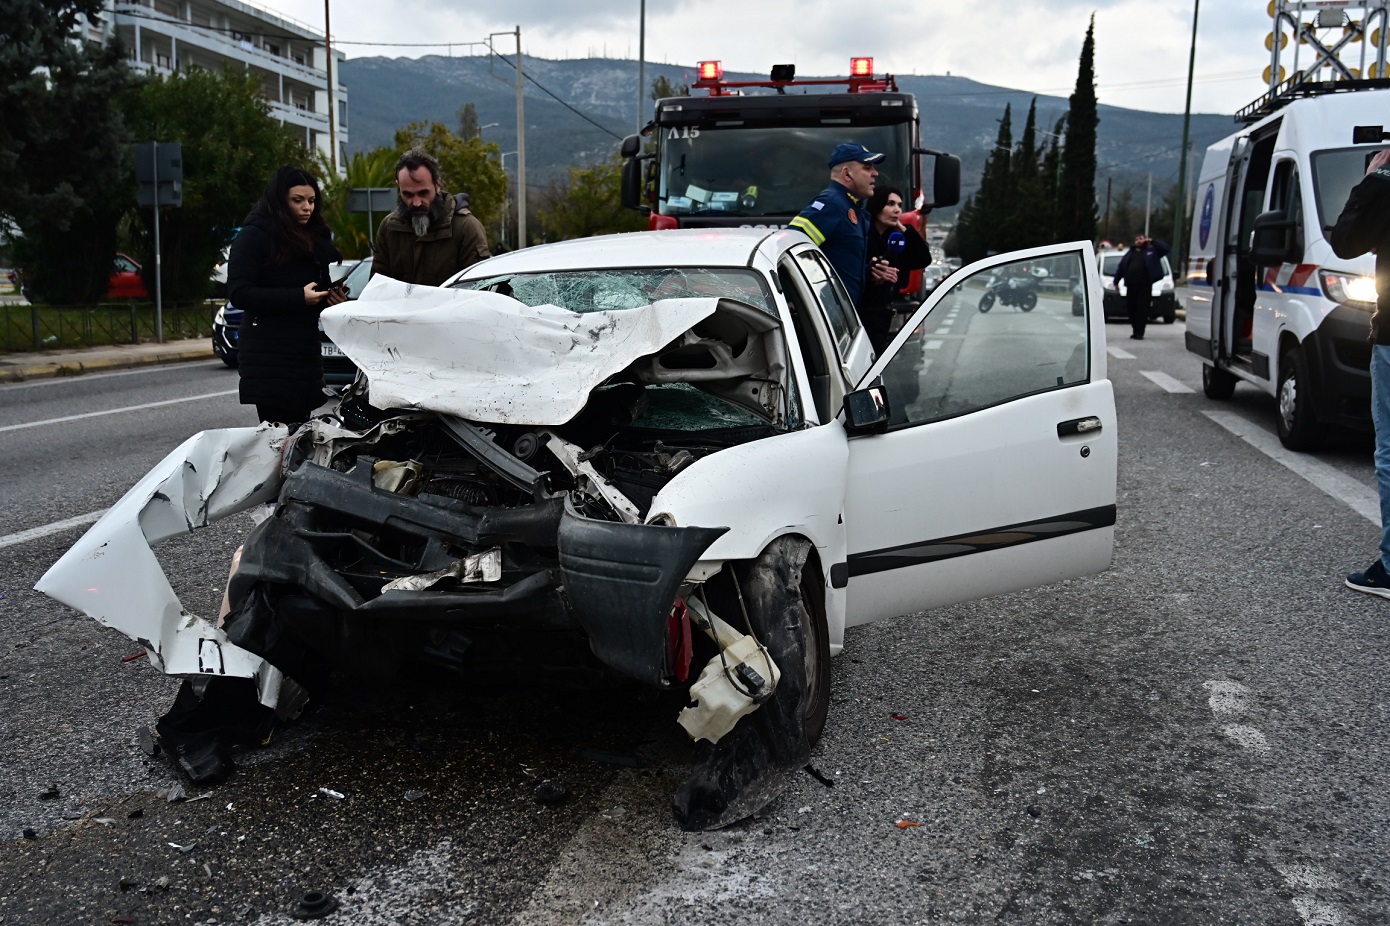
338 370
125 281
665 457
1165 301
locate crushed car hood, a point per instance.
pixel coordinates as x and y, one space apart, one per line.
487 357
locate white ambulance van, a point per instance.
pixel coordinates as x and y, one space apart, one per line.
1269 303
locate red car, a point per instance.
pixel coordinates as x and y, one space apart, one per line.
125 281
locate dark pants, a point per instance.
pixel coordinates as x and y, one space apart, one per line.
1139 299
877 320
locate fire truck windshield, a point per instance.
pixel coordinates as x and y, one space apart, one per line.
773 171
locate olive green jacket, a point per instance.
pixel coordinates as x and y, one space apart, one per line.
450 245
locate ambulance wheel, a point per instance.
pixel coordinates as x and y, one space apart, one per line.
1170 316
1217 384
1299 428
986 302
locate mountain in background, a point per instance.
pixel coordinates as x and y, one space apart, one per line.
958 115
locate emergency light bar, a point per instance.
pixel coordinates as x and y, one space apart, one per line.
861 67
710 70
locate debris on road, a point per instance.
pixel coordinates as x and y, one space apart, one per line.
413 795
820 776
314 905
329 792
905 824
550 792
51 794
131 657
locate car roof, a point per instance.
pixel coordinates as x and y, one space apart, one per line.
702 247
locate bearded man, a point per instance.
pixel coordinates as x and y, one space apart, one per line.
429 236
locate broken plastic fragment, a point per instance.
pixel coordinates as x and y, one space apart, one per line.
481 567
904 824
329 792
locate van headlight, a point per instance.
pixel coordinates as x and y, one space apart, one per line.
1355 290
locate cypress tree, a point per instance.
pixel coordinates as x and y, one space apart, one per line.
987 218
1026 222
1078 194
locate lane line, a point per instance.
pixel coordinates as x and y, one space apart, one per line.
57 527
1119 353
1364 501
1166 382
117 411
88 377
933 345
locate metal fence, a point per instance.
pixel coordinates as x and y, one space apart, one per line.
34 328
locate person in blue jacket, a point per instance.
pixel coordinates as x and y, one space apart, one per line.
837 220
1141 268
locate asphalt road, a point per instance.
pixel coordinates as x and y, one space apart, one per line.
1195 736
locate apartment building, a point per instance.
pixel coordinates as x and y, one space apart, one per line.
164 36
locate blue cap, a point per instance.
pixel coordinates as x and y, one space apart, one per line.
852 151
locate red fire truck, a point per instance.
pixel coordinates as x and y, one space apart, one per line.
753 153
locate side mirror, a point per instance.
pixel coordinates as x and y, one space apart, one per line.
946 181
866 411
631 146
1275 240
632 184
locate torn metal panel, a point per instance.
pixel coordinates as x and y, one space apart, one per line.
480 567
112 575
487 357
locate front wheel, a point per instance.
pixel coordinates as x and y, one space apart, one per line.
986 302
1028 301
1217 384
1299 428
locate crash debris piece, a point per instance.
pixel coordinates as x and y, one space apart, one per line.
314 905
906 824
481 567
329 792
732 684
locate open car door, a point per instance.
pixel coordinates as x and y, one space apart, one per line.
997 469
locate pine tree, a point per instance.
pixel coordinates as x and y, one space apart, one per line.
1077 204
1050 181
1025 218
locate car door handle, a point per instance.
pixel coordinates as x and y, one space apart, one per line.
1087 425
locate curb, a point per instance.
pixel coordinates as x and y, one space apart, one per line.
72 366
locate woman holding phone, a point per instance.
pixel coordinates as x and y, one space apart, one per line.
277 274
898 249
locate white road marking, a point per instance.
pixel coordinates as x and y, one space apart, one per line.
1119 353
116 411
1359 498
932 345
1246 736
1166 382
57 527
88 377
1305 880
1227 699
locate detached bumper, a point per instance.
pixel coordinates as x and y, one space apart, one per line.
613 582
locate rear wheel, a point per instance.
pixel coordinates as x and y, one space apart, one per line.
1028 301
1217 384
1299 428
1170 316
986 302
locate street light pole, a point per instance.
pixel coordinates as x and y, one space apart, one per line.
641 63
1180 213
328 66
520 150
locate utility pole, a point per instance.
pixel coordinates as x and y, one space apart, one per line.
520 151
1148 204
641 63
1180 213
332 105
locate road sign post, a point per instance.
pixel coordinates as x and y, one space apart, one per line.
158 182
371 199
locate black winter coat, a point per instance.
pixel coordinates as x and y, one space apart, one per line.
279 353
915 255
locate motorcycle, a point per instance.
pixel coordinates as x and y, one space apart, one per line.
1020 291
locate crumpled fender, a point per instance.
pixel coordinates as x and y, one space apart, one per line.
112 575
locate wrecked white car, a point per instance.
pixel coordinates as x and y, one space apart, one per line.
666 456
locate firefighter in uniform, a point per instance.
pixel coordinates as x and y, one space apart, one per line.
837 221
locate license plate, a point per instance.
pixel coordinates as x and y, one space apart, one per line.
331 350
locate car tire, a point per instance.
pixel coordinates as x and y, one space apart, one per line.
1077 308
1218 384
1299 428
1028 302
230 360
986 302
1170 315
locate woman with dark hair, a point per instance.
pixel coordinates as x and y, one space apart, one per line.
898 248
278 275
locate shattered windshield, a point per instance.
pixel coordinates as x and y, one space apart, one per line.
626 288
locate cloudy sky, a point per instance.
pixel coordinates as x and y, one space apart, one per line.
1141 47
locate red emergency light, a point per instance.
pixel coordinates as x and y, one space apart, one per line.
861 67
710 70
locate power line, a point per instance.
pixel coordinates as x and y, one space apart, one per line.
547 92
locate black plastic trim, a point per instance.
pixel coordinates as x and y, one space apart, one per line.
998 538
